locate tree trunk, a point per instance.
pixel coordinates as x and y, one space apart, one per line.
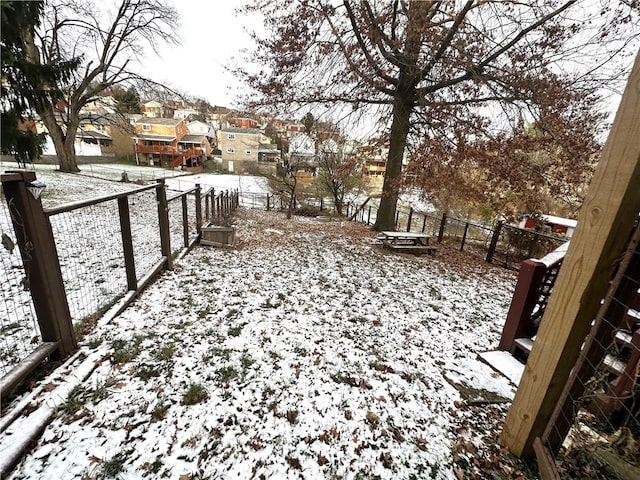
292 198
64 145
67 157
402 107
404 101
337 199
65 151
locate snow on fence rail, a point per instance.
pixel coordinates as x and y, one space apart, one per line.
79 259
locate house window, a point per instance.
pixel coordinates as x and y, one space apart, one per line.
231 150
231 136
146 126
248 152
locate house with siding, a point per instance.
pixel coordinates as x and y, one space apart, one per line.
166 142
110 131
239 147
247 150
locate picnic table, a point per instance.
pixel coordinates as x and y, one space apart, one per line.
408 242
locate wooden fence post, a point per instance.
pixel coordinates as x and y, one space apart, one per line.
163 223
424 222
206 207
604 225
267 202
127 243
410 219
185 220
494 242
443 225
369 216
40 258
213 204
198 209
523 302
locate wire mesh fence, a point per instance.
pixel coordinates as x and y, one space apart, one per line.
176 223
19 331
127 173
601 406
253 199
514 245
144 227
90 253
469 236
102 248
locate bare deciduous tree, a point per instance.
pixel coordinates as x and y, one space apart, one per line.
108 44
434 70
340 173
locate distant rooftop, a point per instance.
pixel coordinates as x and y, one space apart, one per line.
159 121
192 139
240 130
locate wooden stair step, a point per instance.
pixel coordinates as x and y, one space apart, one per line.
525 344
623 337
614 365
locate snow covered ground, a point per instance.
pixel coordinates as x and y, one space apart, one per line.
305 352
88 241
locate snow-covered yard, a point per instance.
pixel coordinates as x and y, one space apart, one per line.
305 352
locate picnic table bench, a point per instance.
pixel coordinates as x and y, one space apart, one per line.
408 242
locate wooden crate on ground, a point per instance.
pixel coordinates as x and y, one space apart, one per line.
217 236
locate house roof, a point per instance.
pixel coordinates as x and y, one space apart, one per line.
155 138
159 121
268 147
565 222
253 131
192 139
92 134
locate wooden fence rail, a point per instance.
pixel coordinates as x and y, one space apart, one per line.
42 266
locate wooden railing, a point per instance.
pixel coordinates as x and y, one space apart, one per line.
533 288
168 150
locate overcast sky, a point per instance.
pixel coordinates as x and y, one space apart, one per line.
211 35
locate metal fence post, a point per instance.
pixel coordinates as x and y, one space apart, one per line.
163 223
464 235
443 225
40 257
494 242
